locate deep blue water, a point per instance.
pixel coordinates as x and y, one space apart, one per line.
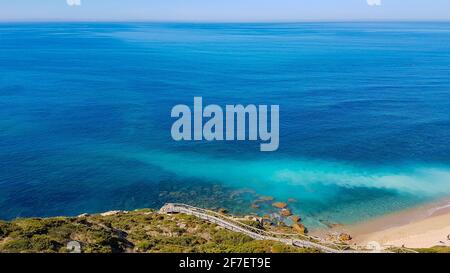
85 115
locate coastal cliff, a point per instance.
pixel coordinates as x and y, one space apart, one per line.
137 231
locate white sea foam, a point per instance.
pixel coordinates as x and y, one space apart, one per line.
436 209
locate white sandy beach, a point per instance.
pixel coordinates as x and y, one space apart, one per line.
421 227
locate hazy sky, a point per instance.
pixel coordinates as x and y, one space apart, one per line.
224 10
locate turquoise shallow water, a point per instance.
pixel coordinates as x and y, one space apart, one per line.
85 116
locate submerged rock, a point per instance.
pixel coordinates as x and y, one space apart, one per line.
335 225
296 219
331 225
280 205
265 199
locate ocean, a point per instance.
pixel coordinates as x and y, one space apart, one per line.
85 117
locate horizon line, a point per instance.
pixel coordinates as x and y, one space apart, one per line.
226 21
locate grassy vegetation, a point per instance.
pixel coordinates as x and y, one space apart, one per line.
137 231
436 249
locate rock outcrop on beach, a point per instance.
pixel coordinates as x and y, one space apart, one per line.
112 212
344 237
286 212
222 211
299 228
